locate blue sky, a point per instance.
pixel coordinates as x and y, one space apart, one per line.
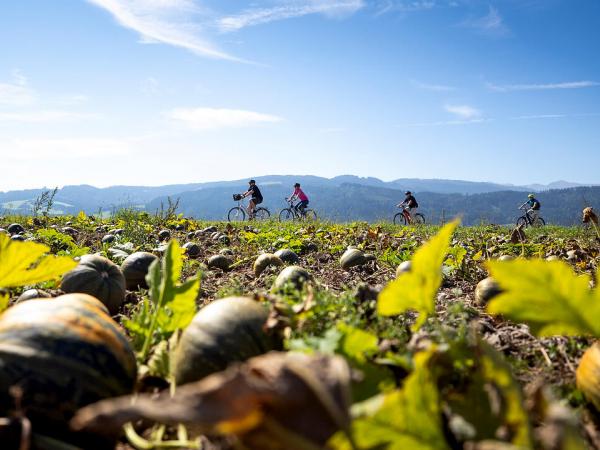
153 92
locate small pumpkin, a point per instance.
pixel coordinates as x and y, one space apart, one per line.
192 249
135 268
15 228
506 258
351 258
588 375
486 289
64 353
99 277
219 262
31 294
17 237
403 267
225 331
164 235
292 276
287 256
108 238
265 260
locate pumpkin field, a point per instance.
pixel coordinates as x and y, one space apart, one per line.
143 331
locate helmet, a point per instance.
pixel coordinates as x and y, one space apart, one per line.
297 185
407 193
530 196
251 182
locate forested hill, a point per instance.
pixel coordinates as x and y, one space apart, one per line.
351 202
341 199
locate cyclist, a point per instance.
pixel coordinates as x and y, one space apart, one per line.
301 196
409 204
534 207
255 199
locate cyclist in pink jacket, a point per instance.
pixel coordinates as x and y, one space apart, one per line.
301 196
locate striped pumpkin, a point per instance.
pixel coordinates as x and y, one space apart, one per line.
227 330
63 353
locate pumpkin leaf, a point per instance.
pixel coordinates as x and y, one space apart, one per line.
26 263
173 304
406 418
417 289
4 299
546 295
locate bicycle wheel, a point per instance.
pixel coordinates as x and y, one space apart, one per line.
418 219
522 222
286 215
310 215
236 214
539 222
262 214
399 219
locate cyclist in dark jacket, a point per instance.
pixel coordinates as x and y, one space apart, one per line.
410 204
534 207
256 197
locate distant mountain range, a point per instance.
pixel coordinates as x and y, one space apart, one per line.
343 198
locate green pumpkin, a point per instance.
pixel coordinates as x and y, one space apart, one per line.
135 268
98 277
64 353
225 331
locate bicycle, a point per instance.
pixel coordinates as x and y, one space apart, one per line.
292 213
404 218
526 220
238 213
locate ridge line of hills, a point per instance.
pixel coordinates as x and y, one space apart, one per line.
343 198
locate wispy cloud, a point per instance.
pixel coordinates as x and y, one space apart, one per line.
465 112
433 87
216 118
42 116
257 16
16 92
443 123
492 24
403 6
172 22
542 87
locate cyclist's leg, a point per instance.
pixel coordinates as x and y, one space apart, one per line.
302 206
251 206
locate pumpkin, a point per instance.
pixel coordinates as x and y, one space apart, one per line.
225 331
164 235
99 277
31 294
135 268
15 228
265 260
588 375
64 353
506 258
403 267
351 258
219 262
108 238
191 249
226 251
17 237
486 290
292 276
287 256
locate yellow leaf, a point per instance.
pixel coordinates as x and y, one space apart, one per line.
25 263
4 299
546 295
417 289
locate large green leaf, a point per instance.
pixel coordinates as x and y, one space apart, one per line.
417 289
25 263
409 418
546 295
